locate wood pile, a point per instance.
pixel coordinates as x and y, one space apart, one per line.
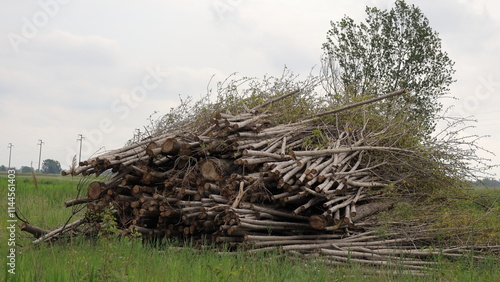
242 175
247 181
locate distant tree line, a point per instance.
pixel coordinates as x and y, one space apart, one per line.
489 182
49 166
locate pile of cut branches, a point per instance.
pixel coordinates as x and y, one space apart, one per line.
259 180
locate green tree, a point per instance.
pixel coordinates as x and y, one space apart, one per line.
3 168
489 182
393 49
51 166
25 169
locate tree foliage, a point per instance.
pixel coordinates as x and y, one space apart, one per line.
488 182
25 169
51 166
393 49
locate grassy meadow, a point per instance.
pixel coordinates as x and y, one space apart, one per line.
128 259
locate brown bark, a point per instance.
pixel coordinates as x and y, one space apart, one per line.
36 231
368 209
58 231
75 202
185 184
344 108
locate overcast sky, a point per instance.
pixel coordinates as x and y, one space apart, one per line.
70 67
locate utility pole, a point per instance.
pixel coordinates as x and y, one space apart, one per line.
10 152
40 142
80 138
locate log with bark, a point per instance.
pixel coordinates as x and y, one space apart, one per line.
246 181
247 161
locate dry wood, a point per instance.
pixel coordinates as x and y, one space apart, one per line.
273 211
317 221
347 150
307 205
241 124
266 224
36 231
95 190
338 206
58 231
241 177
240 195
368 209
354 105
265 104
75 202
215 169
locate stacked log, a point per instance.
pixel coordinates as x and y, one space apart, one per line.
242 175
246 181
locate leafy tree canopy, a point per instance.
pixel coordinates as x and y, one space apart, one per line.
25 169
489 182
393 49
51 166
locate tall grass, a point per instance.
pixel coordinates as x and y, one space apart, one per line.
44 206
129 259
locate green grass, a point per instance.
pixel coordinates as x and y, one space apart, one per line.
131 261
486 196
128 259
44 206
472 218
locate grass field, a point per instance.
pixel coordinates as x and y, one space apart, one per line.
113 259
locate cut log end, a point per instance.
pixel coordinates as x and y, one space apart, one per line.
317 222
95 189
170 147
215 169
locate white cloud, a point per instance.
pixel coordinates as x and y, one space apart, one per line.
59 48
